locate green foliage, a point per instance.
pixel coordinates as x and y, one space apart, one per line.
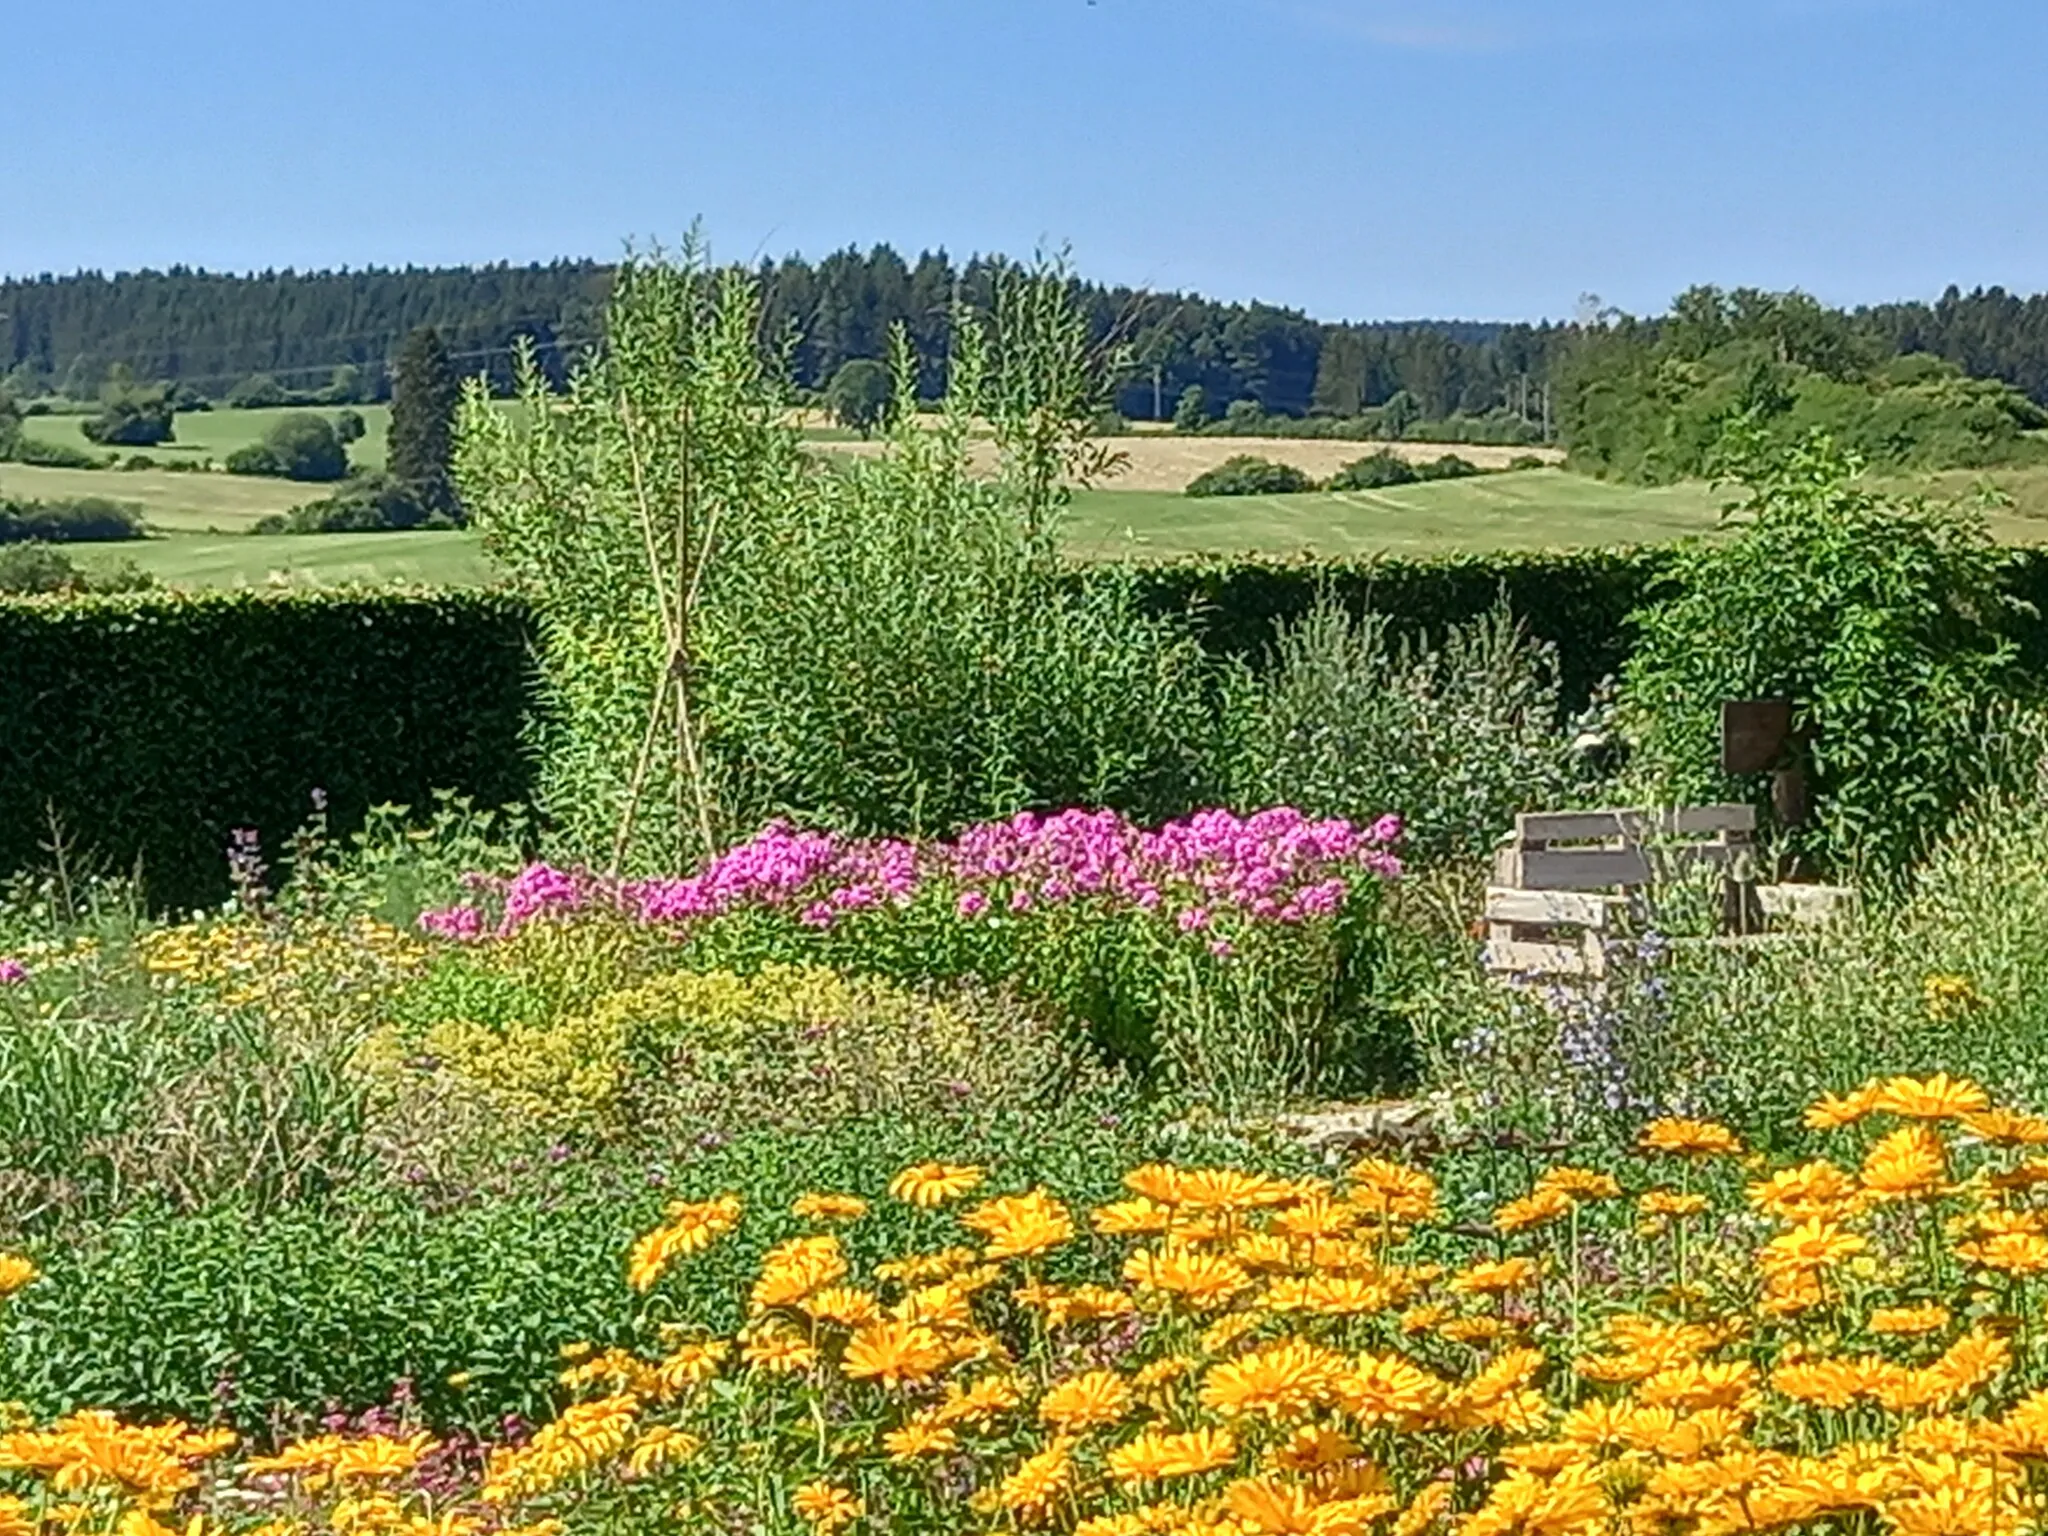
1373 472
83 520
1650 403
1191 410
45 454
368 503
300 446
861 395
1344 719
732 631
1246 474
425 392
1575 601
131 416
259 1320
1384 468
36 569
151 727
1887 626
258 392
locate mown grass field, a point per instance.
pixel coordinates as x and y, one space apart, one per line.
430 558
217 433
204 518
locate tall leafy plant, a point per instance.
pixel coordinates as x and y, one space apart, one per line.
735 629
898 648
607 506
1882 621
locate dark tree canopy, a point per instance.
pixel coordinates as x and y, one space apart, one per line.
860 395
424 394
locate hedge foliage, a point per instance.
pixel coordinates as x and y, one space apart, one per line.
150 726
1579 600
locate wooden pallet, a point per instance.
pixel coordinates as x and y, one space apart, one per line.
1564 877
1564 880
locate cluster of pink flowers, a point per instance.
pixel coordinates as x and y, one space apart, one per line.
1275 866
12 971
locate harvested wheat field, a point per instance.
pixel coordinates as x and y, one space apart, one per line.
1163 463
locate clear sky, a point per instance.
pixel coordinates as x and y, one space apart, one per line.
1355 158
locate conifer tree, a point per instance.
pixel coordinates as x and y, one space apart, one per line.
424 394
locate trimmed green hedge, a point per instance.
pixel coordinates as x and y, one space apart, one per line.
150 726
1577 599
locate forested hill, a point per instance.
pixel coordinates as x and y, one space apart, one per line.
211 332
296 331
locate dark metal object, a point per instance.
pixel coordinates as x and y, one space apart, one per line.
1754 734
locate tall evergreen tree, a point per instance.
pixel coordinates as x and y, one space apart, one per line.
424 395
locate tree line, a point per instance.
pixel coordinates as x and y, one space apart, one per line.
332 338
329 338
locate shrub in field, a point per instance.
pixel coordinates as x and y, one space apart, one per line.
33 568
1246 474
83 520
1238 955
1373 472
301 446
1344 718
1674 1341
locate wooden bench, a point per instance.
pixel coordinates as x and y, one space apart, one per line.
1565 880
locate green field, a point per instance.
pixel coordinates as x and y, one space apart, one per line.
428 558
217 433
1527 509
203 518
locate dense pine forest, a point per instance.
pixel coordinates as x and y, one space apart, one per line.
267 336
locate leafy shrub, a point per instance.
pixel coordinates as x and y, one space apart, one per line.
1447 467
45 454
1246 474
258 392
32 569
130 417
84 520
1886 625
861 395
886 646
369 503
1345 716
300 446
687 1054
1373 472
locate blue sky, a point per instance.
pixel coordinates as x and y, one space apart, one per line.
1356 158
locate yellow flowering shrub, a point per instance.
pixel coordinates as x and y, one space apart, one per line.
786 1043
1845 1343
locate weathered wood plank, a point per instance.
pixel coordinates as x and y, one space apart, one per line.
1548 908
1806 905
1521 958
1634 825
